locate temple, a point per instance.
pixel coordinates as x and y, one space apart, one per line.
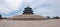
28 10
28 15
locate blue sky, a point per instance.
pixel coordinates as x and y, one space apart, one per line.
10 8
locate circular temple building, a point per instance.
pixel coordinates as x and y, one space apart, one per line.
28 15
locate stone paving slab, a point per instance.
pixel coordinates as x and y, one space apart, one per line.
36 23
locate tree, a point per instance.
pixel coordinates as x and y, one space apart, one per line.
57 17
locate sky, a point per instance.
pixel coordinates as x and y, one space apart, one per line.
10 8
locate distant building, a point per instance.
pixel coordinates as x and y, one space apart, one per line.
0 17
27 15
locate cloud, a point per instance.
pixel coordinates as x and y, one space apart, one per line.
4 10
9 6
44 7
14 3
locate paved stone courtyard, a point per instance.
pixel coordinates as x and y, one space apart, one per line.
35 23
